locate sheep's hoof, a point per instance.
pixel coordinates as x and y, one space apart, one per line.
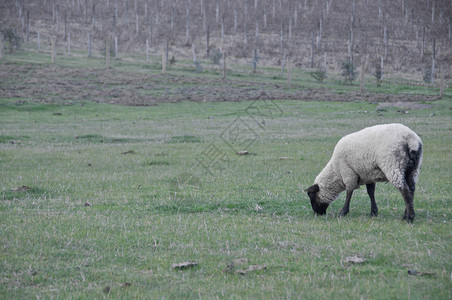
343 213
374 213
408 219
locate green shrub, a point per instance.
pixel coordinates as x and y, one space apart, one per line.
103 49
216 57
198 67
172 60
378 74
11 39
319 75
348 72
427 76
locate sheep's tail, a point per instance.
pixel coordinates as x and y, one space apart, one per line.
414 155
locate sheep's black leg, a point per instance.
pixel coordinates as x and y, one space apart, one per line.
408 198
373 205
410 186
346 208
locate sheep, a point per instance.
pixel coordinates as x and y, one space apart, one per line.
382 153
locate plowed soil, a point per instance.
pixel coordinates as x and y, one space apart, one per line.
46 83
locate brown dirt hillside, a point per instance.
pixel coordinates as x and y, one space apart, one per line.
402 31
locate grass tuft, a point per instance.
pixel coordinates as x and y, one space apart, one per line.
185 139
23 192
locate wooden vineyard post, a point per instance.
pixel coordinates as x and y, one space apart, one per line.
147 51
433 59
289 71
423 42
163 62
2 47
107 53
283 62
441 83
363 71
224 64
382 67
194 52
187 22
255 60
53 42
386 42
208 41
116 46
312 51
89 45
39 41
27 26
69 43
167 52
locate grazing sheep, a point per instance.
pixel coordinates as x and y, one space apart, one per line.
381 153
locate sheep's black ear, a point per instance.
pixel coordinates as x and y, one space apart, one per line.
312 189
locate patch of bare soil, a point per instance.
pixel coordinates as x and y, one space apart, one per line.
54 84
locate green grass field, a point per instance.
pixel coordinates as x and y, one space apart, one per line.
98 201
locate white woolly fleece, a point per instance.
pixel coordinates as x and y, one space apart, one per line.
373 154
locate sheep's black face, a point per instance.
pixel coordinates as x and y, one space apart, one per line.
319 208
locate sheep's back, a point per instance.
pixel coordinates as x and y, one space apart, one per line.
375 153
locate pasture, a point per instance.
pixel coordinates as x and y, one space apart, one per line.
99 200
